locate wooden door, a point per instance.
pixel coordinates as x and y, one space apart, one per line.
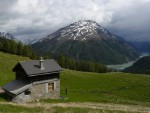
50 87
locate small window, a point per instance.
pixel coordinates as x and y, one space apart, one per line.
50 87
27 92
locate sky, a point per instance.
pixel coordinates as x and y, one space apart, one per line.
27 19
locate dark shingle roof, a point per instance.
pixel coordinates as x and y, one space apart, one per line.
16 86
32 67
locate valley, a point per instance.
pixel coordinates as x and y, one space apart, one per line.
125 65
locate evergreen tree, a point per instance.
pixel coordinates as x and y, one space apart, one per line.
30 50
33 56
61 60
26 51
13 46
1 45
20 49
6 46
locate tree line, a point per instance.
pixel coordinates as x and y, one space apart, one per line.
13 47
88 66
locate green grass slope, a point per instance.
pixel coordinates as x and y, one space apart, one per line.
89 87
7 62
107 87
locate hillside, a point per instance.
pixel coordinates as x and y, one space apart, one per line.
109 87
93 89
87 40
90 87
7 62
141 66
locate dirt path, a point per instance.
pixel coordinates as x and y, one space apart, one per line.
127 108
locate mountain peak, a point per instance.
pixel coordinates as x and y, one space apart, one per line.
7 35
82 30
88 24
82 23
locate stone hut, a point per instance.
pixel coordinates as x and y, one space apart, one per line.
35 80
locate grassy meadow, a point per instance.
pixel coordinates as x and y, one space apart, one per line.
115 87
90 87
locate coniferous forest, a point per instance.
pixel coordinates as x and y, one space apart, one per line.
17 48
70 63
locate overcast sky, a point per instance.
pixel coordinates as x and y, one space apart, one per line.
37 18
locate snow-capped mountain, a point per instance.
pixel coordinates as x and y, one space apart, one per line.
81 30
7 35
87 40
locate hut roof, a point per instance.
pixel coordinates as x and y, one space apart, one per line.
32 68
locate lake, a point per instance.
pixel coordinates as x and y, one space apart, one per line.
125 65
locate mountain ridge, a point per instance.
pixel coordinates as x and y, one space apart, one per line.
87 40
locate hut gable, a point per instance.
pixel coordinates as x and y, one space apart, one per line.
35 79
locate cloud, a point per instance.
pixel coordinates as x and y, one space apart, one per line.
132 22
36 18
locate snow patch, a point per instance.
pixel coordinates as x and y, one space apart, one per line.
79 30
83 39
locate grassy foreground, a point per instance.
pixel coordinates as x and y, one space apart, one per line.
106 87
20 109
120 88
90 87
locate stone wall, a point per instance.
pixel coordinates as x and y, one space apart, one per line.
40 91
39 88
22 98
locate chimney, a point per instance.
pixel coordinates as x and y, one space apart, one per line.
41 63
